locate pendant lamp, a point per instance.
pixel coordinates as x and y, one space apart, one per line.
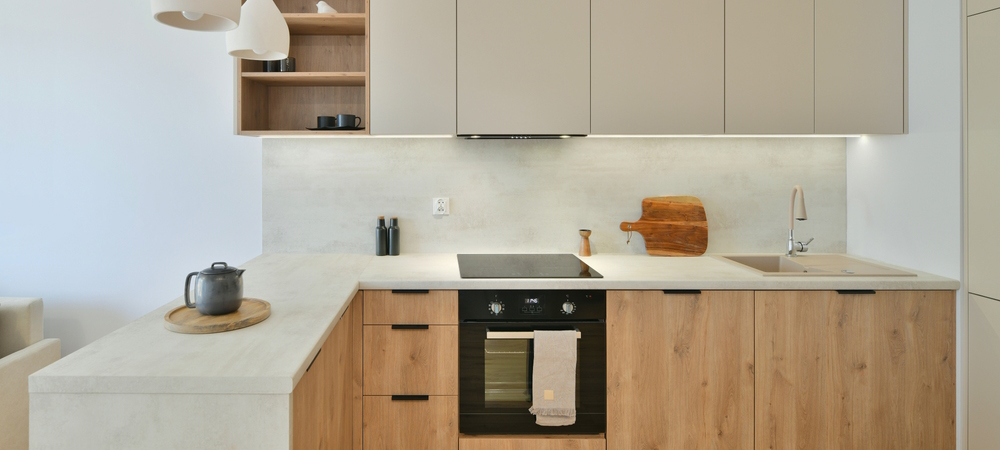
262 34
198 15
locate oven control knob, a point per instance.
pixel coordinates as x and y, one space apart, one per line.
569 308
496 308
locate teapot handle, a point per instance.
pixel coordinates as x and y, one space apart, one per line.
187 290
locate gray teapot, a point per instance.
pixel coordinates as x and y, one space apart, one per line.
217 290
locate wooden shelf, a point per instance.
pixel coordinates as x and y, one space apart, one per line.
307 78
302 133
326 24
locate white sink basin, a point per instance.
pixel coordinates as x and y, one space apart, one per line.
812 265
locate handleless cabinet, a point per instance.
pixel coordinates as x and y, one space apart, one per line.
979 6
523 67
769 67
412 67
658 67
984 365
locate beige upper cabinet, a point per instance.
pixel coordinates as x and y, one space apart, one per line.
658 67
984 153
769 67
984 365
523 67
979 6
412 67
860 67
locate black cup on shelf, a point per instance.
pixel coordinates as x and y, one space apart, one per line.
348 121
287 65
326 122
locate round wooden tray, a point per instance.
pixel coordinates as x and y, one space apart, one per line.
188 320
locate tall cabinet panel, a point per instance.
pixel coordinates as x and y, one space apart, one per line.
978 6
860 66
523 67
769 67
984 365
984 153
658 67
412 67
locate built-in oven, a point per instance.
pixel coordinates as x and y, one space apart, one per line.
496 358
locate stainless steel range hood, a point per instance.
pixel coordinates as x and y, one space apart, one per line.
520 136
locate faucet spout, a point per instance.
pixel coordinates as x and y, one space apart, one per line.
797 193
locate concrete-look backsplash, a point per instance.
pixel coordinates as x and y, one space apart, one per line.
324 195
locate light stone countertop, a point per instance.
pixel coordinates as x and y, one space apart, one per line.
310 292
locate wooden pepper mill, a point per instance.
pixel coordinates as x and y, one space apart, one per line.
585 243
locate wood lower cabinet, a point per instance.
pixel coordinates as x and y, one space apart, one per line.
411 360
323 400
855 371
430 424
533 443
680 370
411 307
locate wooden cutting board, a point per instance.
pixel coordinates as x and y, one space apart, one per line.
672 226
189 321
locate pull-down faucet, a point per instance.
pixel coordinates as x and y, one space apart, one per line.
795 247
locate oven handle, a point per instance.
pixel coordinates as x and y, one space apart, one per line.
517 334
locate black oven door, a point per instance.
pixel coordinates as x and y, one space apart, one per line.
495 379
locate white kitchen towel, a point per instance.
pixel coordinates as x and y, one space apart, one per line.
553 384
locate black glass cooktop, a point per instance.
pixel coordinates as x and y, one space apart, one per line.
524 266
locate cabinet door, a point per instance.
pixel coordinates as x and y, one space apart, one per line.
523 67
411 361
855 371
860 67
658 67
412 67
680 370
984 366
411 307
979 6
984 153
323 399
769 67
430 424
527 443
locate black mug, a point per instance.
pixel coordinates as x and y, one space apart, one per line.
348 121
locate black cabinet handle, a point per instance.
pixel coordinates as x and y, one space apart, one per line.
411 327
411 291
855 292
682 291
314 360
396 398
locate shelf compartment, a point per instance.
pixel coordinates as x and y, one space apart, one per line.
326 24
303 133
288 110
307 78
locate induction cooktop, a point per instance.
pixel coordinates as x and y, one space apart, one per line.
524 266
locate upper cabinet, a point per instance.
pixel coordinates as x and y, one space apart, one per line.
973 7
412 67
658 67
769 67
523 67
860 67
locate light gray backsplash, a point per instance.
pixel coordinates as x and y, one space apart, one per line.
323 195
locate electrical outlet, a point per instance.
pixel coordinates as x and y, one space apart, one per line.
441 206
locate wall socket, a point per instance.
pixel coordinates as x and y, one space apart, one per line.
441 206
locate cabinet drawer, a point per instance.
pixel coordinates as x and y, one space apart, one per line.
430 424
411 361
474 443
411 307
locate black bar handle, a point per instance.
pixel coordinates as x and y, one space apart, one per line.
411 327
682 291
314 360
396 398
411 291
855 292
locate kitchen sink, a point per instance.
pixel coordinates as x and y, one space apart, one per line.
812 265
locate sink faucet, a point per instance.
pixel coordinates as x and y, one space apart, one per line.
794 248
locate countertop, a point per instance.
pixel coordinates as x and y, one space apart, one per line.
310 292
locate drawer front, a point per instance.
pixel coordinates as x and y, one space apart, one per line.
472 443
422 424
411 360
411 307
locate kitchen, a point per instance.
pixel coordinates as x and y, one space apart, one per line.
113 192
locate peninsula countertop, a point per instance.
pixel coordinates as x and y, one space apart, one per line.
310 292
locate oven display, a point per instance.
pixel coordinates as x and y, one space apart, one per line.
531 306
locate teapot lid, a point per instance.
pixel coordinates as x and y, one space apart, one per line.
218 268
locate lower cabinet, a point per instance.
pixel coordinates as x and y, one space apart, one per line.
514 443
427 423
680 370
855 371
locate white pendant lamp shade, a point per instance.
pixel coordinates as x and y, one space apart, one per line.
198 15
262 34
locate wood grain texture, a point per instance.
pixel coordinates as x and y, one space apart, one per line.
309 6
533 443
326 24
416 425
296 107
433 308
855 371
672 226
307 78
417 362
323 400
328 53
681 373
189 321
357 366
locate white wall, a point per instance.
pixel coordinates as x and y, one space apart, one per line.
118 169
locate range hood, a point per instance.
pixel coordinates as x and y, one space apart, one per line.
520 136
